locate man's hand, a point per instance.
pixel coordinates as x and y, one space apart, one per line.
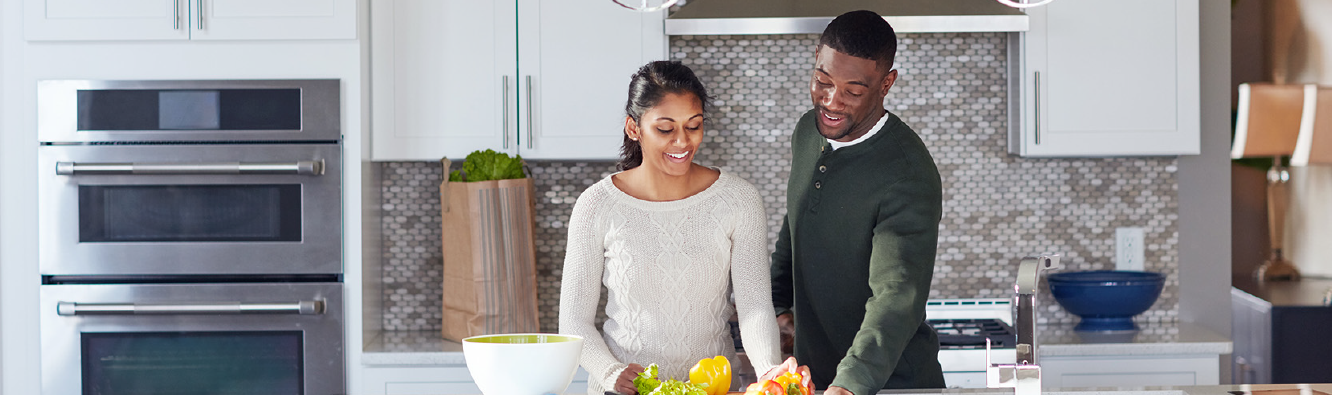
625 383
786 329
837 391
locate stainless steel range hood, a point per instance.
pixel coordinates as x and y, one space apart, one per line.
716 17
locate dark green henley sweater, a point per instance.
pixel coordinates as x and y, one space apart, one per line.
855 257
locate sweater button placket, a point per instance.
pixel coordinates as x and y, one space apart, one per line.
814 196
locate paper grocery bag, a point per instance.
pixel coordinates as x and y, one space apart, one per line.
489 257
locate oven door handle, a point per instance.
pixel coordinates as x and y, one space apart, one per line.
305 307
305 167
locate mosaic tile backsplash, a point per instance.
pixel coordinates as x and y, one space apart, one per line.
952 89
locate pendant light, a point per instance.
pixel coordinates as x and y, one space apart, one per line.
1023 3
647 5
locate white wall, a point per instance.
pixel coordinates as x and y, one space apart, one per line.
1204 187
22 64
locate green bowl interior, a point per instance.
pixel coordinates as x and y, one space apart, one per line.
520 339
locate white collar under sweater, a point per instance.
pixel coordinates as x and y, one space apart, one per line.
878 125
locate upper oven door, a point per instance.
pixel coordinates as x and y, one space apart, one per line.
223 110
190 209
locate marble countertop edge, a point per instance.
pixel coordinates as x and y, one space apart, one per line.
1056 340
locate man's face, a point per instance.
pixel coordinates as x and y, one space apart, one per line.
848 93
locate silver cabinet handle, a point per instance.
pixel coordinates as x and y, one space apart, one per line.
201 16
505 95
175 7
305 307
529 112
1037 96
305 167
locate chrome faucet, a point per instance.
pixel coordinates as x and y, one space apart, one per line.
1025 375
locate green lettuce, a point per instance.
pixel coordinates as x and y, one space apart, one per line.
647 384
489 165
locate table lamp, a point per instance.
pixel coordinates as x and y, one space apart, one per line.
1267 126
1314 144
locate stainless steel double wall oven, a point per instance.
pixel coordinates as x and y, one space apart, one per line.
191 237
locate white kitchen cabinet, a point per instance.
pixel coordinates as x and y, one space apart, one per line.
1129 371
436 380
71 20
444 76
1108 78
544 79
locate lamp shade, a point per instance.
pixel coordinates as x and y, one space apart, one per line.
1268 123
1314 145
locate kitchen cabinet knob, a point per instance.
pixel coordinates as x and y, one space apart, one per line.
175 9
200 12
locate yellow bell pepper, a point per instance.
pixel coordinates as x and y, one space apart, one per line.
715 372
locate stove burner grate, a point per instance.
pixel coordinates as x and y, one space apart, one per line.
971 333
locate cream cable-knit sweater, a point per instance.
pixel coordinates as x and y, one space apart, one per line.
669 268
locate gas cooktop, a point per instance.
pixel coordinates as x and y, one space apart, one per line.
967 333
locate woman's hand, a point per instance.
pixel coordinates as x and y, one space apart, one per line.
625 383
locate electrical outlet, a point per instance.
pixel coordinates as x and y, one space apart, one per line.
1128 249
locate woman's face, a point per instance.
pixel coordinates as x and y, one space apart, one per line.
669 133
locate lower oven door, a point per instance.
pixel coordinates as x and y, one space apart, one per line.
283 338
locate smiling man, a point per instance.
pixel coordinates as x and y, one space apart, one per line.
855 254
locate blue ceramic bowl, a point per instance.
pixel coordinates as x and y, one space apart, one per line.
1106 300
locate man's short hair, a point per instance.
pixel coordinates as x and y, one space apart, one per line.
863 34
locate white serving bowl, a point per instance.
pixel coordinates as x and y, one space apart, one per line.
522 363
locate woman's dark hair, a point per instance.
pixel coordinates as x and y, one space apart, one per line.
648 86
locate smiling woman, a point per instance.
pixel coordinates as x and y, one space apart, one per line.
669 240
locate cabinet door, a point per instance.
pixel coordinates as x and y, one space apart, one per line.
436 380
106 20
575 62
272 20
1129 371
1251 332
444 78
1110 78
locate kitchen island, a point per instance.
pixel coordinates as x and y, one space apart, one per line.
1158 354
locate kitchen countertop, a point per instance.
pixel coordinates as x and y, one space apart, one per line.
411 348
428 348
1256 389
1308 291
1173 338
